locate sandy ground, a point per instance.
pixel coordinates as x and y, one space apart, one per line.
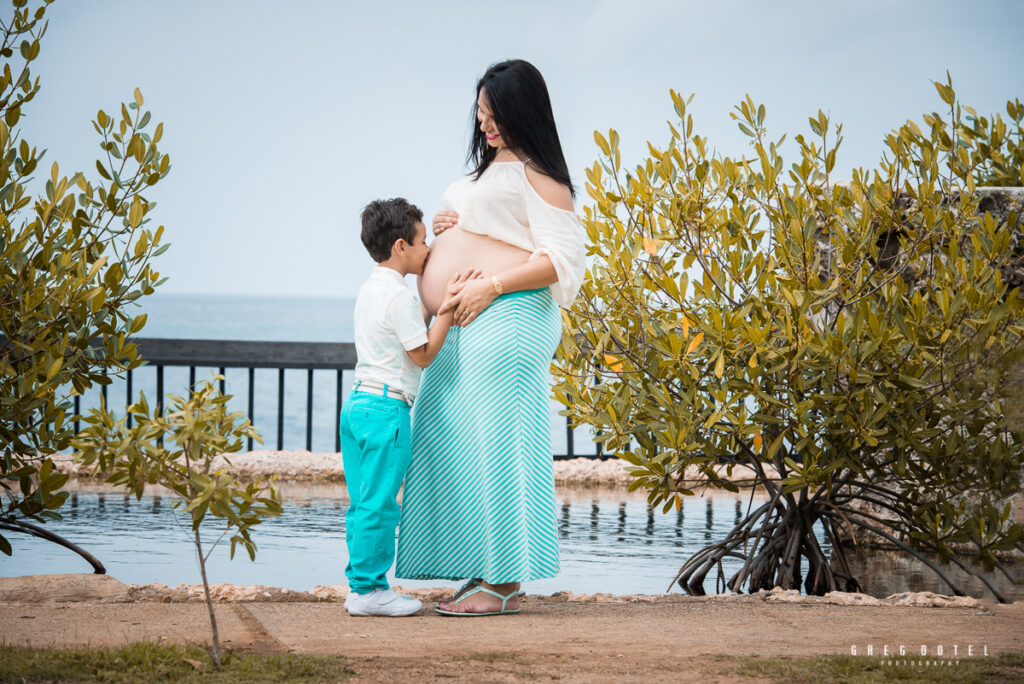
551 639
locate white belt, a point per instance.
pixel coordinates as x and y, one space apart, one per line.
381 390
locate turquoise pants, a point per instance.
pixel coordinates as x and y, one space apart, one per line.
375 449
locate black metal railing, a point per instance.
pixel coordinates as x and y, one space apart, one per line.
338 357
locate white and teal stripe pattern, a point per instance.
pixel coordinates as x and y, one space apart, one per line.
479 495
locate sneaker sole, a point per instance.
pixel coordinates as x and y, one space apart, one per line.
357 613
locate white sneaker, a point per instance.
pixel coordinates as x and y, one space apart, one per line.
383 602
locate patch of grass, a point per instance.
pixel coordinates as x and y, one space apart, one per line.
494 657
149 662
865 669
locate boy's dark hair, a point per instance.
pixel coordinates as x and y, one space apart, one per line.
387 221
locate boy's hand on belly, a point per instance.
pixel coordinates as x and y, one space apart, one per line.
443 220
457 282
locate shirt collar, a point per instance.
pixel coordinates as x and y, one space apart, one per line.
387 275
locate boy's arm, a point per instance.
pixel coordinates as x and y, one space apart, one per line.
424 354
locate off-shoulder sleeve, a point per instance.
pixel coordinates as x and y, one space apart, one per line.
558 234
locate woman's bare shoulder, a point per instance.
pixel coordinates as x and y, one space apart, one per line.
550 190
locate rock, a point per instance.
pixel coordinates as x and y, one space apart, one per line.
843 598
220 593
333 592
929 599
780 595
435 594
69 588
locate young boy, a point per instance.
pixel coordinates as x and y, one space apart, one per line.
392 345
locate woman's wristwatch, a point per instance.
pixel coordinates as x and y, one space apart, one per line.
498 287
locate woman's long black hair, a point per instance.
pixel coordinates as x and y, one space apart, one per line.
522 111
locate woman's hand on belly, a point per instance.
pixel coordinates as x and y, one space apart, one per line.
443 220
476 295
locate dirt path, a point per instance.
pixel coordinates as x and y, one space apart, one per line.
593 642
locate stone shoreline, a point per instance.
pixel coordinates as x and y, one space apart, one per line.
304 466
76 588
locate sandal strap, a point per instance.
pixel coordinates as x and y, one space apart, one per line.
480 588
470 583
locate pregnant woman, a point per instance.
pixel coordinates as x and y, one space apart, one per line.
479 497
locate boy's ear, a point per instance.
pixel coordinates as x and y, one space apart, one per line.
399 247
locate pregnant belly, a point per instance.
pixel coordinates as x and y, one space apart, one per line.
457 250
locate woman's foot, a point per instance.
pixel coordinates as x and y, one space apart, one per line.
482 602
470 584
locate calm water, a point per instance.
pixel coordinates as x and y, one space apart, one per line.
305 319
610 542
243 317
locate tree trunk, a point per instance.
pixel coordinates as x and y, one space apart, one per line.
215 651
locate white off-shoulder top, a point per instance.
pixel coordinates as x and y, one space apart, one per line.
503 205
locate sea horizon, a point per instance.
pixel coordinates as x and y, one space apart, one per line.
237 316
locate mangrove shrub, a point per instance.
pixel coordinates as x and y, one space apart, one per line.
849 341
73 260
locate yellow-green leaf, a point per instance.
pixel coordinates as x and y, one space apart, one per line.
695 342
135 213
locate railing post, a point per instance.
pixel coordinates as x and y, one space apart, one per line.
337 416
128 393
280 409
160 399
252 391
159 390
309 410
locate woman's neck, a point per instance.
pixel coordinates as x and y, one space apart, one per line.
506 154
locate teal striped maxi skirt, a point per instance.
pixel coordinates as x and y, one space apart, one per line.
479 495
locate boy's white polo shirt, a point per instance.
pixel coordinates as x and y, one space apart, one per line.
388 320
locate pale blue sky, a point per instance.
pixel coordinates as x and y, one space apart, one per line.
283 119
